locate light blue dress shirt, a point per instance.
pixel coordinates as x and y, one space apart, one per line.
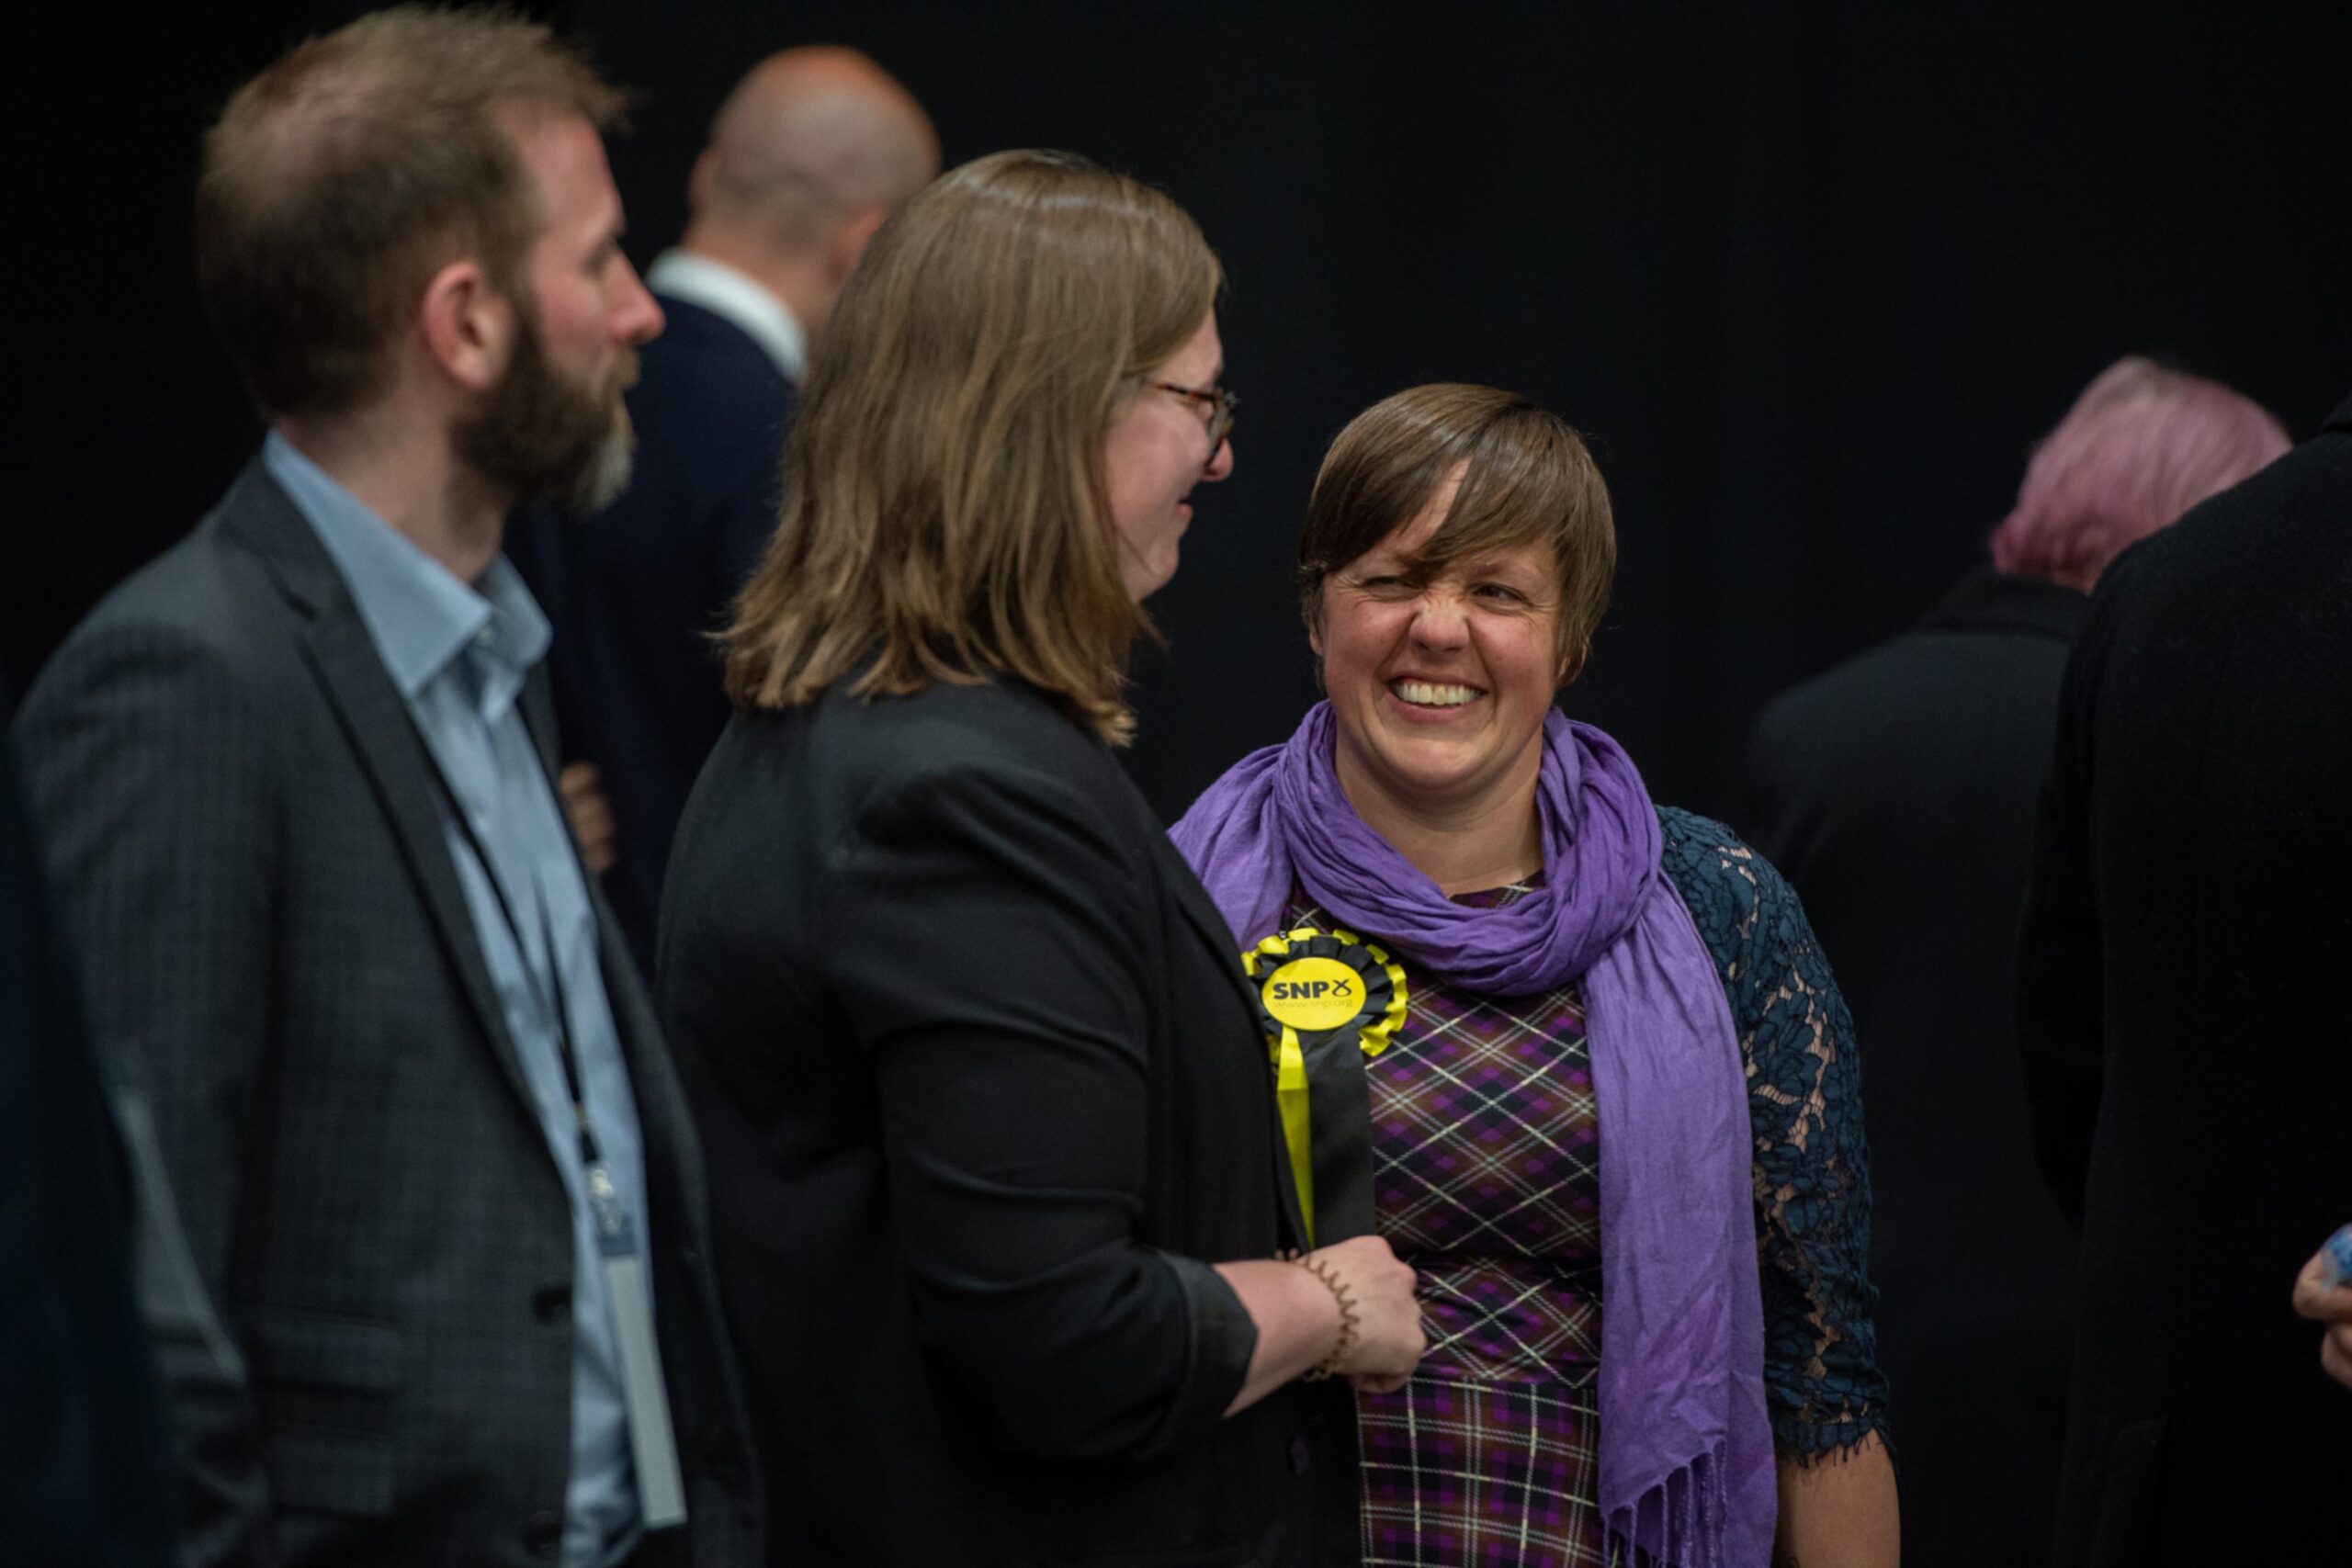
459 654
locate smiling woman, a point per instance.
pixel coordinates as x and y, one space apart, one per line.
1443 637
1606 1105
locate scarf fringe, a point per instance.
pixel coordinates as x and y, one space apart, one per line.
1679 1521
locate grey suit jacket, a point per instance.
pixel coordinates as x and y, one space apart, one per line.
242 822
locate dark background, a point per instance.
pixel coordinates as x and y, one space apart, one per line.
1813 278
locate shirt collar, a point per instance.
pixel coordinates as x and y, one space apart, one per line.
417 613
738 297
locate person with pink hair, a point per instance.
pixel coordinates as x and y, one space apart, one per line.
1896 794
2141 445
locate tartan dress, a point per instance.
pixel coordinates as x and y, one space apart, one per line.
1486 1149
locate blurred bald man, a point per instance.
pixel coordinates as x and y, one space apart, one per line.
810 153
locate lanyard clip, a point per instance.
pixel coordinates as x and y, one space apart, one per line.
615 1236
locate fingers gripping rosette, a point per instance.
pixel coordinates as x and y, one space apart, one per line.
1327 999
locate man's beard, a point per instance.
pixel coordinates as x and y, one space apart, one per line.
547 439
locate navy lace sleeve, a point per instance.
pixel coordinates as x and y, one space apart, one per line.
1822 1382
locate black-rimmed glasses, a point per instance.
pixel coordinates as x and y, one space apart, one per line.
1221 404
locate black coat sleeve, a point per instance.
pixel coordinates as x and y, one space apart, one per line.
993 943
2061 959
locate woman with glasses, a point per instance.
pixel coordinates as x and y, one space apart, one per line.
995 1159
1574 1054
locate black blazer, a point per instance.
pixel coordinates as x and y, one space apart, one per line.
242 820
84 1474
2185 1008
984 1097
1896 794
634 593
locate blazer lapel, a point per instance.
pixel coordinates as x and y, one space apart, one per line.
538 703
1207 922
372 714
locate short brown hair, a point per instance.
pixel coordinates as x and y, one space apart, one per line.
339 180
945 515
1526 479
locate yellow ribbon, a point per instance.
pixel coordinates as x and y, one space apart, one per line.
1290 1093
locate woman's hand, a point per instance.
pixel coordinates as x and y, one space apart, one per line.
1388 1320
1298 1315
2330 1304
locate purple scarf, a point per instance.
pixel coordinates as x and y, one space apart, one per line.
1686 1453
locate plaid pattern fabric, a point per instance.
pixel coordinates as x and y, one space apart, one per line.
1458 1472
1485 1149
1484 1176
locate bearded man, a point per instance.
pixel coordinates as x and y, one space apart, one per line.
295 777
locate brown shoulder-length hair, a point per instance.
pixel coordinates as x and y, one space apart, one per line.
1526 478
340 179
945 516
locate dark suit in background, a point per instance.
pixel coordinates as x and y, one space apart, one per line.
243 820
634 593
985 1096
1896 794
2185 1008
84 1470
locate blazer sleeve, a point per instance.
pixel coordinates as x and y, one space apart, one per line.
146 767
988 940
2061 959
86 1479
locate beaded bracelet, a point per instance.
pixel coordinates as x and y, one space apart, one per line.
1329 1365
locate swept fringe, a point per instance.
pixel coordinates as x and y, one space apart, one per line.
1679 1521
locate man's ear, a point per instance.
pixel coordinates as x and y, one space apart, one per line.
466 324
849 241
